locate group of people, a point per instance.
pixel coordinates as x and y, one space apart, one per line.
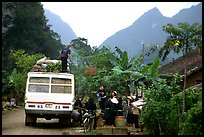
107 104
113 106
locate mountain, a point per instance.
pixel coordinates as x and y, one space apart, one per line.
60 27
148 30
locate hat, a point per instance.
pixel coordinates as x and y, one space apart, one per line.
129 97
115 92
114 100
134 97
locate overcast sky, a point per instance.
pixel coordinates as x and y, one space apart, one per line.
96 21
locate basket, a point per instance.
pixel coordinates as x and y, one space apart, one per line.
91 71
120 121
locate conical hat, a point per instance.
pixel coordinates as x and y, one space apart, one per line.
134 97
114 100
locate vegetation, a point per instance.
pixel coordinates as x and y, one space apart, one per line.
17 79
162 113
27 29
28 38
182 37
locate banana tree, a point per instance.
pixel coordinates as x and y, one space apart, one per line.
134 71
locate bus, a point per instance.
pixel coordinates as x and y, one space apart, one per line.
49 95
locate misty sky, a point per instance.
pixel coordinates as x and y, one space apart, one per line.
96 21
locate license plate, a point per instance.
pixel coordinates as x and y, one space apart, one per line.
48 105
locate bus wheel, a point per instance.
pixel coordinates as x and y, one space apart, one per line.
30 120
64 121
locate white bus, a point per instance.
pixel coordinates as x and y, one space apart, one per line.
49 95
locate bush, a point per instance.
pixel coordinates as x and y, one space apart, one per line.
192 123
161 112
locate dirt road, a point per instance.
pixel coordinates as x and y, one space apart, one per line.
13 124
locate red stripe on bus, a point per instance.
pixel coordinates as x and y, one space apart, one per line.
60 103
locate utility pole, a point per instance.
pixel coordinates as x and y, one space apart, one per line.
143 53
184 85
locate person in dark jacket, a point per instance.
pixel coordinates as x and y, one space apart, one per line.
130 116
111 109
64 55
101 97
91 107
120 109
77 106
107 111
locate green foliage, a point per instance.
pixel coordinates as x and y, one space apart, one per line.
132 70
123 59
103 59
192 124
162 113
17 79
29 32
157 113
23 61
154 68
96 58
54 67
192 97
183 37
82 52
7 18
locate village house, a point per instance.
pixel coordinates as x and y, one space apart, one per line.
193 63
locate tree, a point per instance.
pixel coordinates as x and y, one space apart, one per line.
81 51
7 15
23 61
23 64
85 57
27 29
183 37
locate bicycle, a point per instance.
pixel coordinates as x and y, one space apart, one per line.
88 120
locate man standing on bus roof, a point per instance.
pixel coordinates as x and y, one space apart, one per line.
64 55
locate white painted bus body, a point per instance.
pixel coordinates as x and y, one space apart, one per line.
49 95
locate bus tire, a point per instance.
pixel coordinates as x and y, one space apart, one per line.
65 121
30 120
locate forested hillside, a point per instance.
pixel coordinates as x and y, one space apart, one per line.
24 26
26 38
62 28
